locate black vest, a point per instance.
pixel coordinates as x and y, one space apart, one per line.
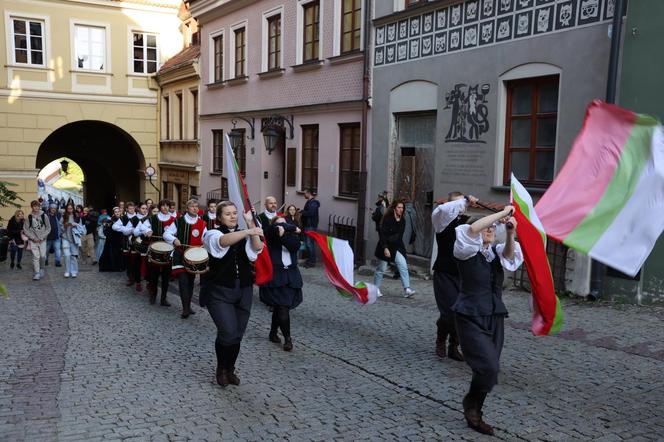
234 265
445 261
481 288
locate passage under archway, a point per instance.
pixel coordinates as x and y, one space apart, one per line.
111 160
60 181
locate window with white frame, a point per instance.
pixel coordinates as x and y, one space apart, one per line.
311 30
90 47
144 52
240 51
274 42
351 25
28 41
218 57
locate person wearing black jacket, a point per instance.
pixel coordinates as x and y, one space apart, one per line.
284 291
445 218
309 216
227 289
111 258
16 243
390 247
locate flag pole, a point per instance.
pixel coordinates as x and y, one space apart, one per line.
597 269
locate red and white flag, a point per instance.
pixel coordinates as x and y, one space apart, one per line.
237 193
338 261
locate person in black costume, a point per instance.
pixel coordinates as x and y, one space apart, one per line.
227 289
284 292
111 258
479 308
445 218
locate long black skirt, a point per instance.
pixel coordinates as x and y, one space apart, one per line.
285 295
111 257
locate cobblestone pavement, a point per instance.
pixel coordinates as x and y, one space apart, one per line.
89 359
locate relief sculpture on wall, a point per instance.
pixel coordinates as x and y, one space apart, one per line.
469 119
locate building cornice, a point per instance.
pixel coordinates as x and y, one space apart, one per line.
164 6
208 10
14 95
413 10
352 105
185 71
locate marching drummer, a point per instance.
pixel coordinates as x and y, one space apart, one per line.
227 289
153 228
186 231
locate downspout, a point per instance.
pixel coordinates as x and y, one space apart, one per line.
597 269
360 240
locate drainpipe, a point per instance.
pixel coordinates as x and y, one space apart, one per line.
597 269
360 240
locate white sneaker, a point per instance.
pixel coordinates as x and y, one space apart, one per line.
73 275
37 277
408 292
67 275
379 293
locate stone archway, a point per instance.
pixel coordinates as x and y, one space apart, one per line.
110 158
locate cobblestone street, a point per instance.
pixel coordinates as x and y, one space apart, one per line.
89 359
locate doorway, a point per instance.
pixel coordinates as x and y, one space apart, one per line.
414 181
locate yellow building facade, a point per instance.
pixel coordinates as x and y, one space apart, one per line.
77 79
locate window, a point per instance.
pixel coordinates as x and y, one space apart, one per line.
218 58
274 42
351 25
178 96
530 136
349 159
311 31
410 3
28 41
194 101
291 164
310 157
90 46
217 151
145 53
239 52
241 154
167 114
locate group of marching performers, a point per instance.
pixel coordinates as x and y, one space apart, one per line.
226 269
467 280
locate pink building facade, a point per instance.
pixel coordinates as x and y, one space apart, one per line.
303 62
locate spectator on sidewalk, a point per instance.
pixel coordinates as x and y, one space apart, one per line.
71 228
390 247
16 241
88 240
101 238
309 216
37 228
53 241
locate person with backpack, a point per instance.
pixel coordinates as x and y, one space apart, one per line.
37 228
53 241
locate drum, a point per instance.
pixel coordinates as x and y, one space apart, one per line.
195 260
140 245
159 253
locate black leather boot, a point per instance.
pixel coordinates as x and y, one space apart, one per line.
441 338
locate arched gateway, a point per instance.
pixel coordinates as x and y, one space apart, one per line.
111 159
